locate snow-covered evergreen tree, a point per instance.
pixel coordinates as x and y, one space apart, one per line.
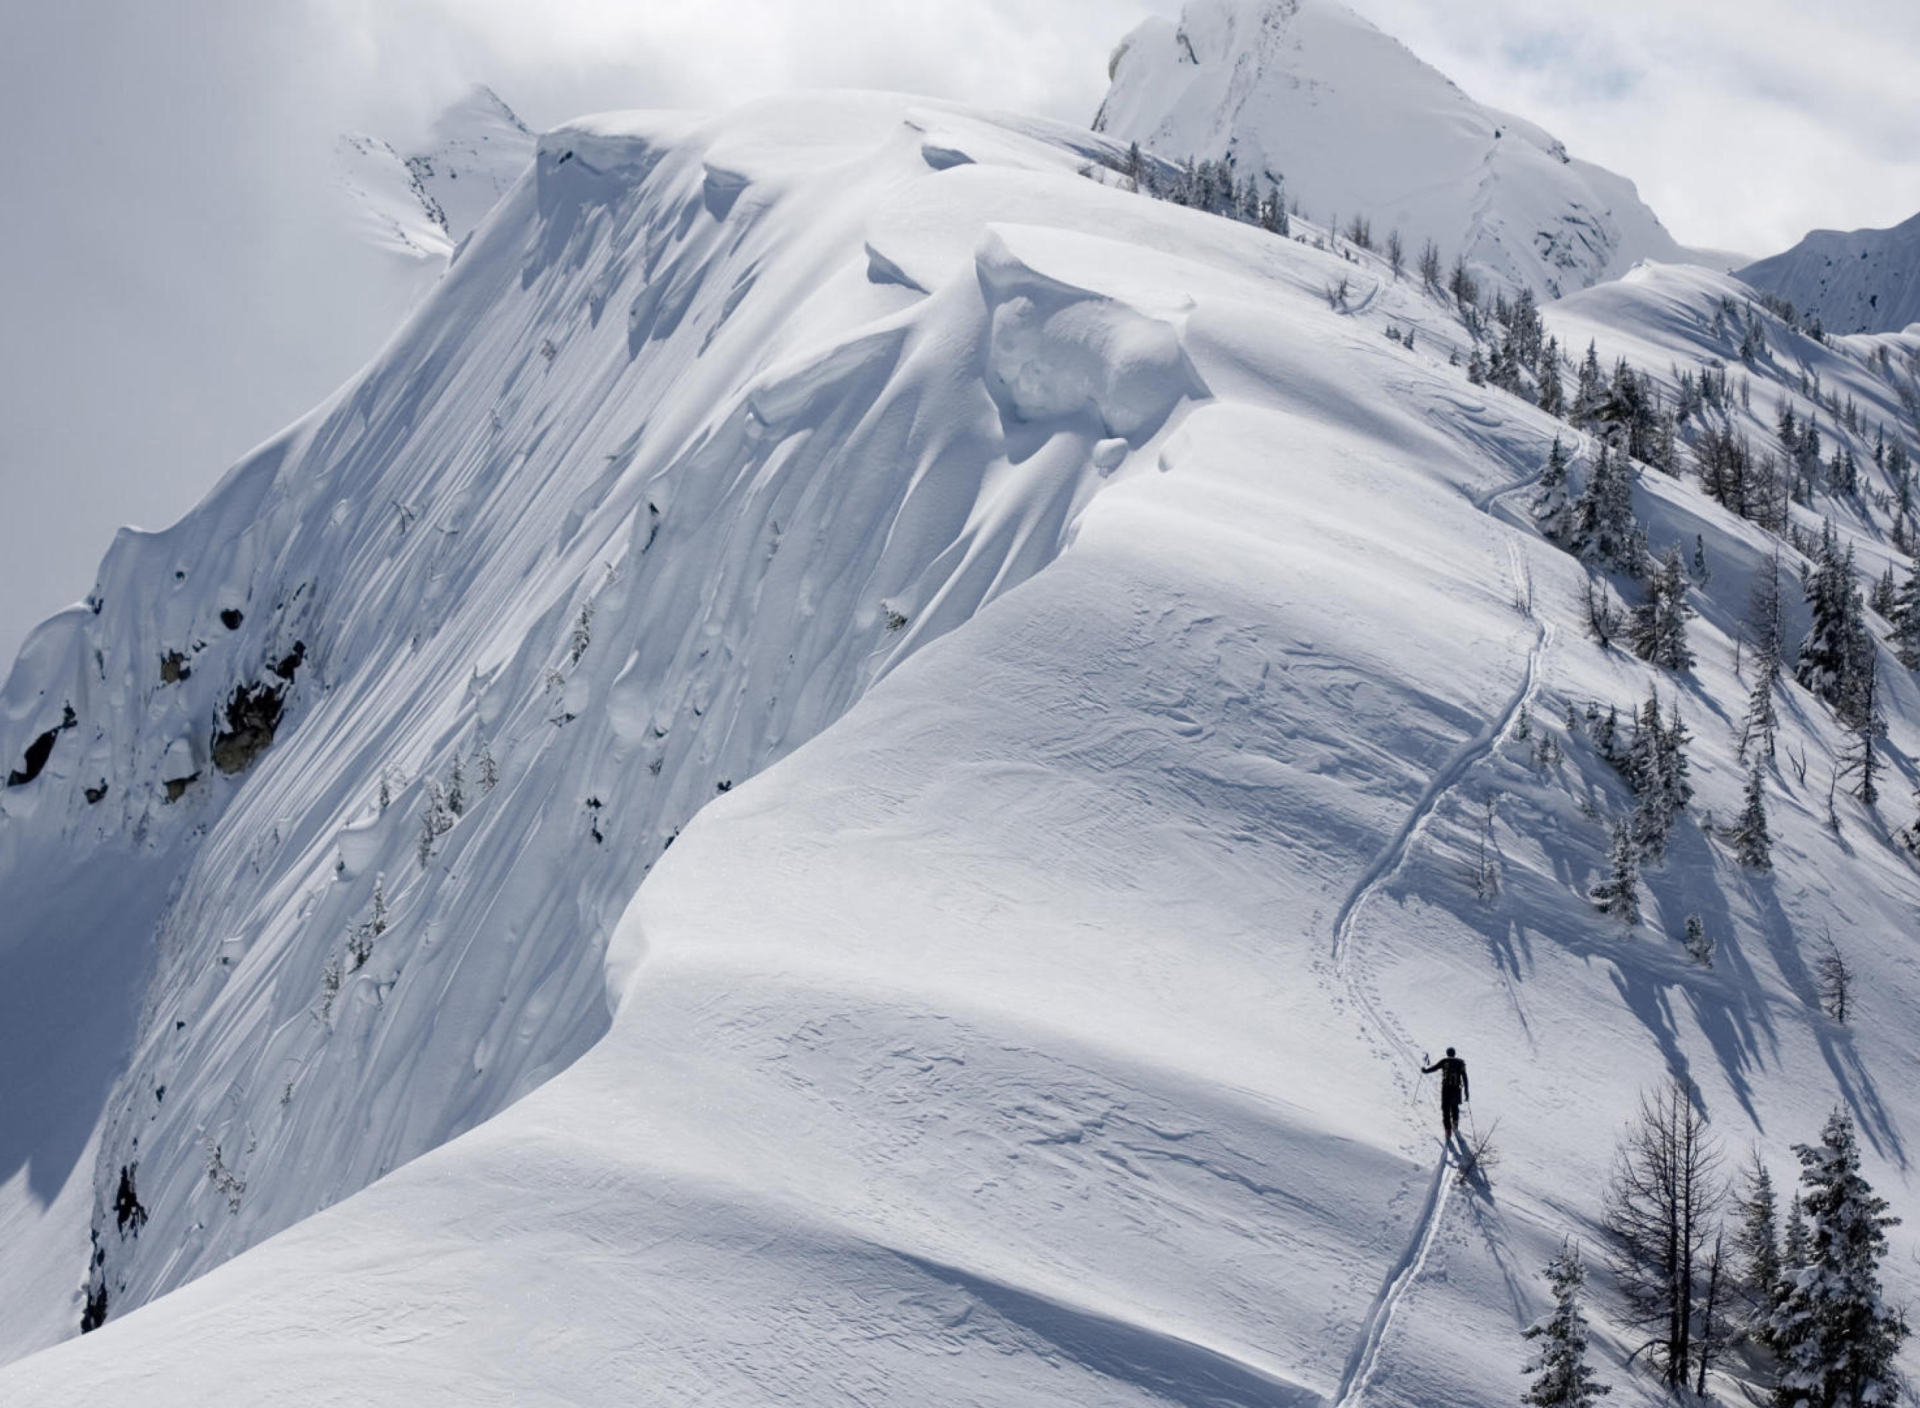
1752 843
1562 1376
1552 398
1604 530
1551 511
1590 390
1837 644
1756 1248
1905 616
1861 762
1764 621
435 822
1619 893
1835 1335
1659 630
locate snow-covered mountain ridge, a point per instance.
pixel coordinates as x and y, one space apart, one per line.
1094 669
444 566
1858 281
420 205
1309 93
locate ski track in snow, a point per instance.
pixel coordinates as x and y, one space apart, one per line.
1366 1350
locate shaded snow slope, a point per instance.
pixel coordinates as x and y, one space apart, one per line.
658 481
1859 281
1307 92
1136 737
421 205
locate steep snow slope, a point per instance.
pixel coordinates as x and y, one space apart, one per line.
1860 281
666 472
421 205
1044 1029
1308 92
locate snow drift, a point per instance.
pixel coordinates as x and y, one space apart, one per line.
1097 691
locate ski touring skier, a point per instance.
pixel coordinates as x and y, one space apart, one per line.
1453 1089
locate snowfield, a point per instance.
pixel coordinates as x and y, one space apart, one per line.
1308 93
1094 687
1854 281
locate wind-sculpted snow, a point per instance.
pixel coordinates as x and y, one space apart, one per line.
621 566
1115 714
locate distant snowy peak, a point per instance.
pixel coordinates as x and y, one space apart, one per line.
1308 91
1857 281
421 204
479 148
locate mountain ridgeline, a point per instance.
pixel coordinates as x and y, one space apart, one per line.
869 758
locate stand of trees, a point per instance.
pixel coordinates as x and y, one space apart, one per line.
1802 1303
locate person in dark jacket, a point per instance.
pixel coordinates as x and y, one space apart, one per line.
1453 1089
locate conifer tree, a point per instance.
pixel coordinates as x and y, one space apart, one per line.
1676 778
1604 530
1659 630
1835 1336
1589 389
1752 844
1904 613
1551 512
1619 893
1562 1376
1756 1247
1860 761
1552 398
1836 643
1764 622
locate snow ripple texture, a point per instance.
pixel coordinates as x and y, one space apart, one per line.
1043 627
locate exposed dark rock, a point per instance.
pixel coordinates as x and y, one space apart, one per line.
290 662
252 715
40 750
95 794
177 786
174 667
127 1207
231 618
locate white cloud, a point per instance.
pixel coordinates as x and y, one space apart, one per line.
1744 126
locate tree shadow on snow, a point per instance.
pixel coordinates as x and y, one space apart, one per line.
1836 1042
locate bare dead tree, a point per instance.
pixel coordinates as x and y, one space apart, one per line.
1658 1218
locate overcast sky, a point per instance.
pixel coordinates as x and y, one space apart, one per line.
178 280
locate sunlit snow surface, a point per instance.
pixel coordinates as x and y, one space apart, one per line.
1080 667
1307 93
